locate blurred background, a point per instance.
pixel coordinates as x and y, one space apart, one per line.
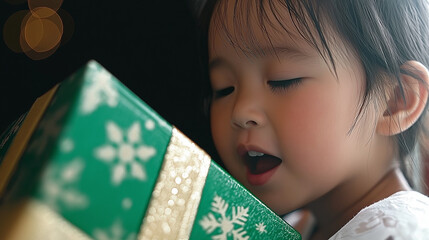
151 46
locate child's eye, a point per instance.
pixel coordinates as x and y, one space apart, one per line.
223 92
281 85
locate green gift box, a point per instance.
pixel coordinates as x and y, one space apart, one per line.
90 160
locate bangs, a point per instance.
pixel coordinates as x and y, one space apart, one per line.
234 21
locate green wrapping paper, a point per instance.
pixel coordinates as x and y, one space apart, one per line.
101 164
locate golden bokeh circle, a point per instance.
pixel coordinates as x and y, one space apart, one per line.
39 31
12 30
43 34
33 54
54 5
33 31
41 37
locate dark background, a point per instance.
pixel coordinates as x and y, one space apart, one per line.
150 46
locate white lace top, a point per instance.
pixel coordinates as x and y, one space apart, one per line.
404 215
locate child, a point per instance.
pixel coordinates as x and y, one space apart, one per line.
318 105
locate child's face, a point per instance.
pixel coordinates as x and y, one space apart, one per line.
304 127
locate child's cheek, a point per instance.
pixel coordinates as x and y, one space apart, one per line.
314 133
223 136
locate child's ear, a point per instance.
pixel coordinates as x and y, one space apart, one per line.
405 107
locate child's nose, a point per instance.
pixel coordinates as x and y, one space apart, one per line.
248 112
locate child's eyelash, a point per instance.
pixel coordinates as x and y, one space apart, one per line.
223 92
281 85
275 85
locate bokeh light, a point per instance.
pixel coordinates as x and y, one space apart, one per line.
31 53
39 31
43 34
33 31
12 30
46 4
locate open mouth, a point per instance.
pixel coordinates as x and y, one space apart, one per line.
259 163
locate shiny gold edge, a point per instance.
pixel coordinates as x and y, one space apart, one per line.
177 194
30 219
21 139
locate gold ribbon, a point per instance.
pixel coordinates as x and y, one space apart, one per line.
30 219
177 194
19 143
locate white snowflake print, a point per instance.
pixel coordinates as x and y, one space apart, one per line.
127 203
125 150
58 185
66 145
227 225
99 90
150 124
260 227
49 128
115 232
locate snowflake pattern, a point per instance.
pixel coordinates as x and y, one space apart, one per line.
115 232
226 224
58 185
99 90
49 128
260 227
123 155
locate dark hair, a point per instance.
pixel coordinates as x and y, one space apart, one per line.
384 34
